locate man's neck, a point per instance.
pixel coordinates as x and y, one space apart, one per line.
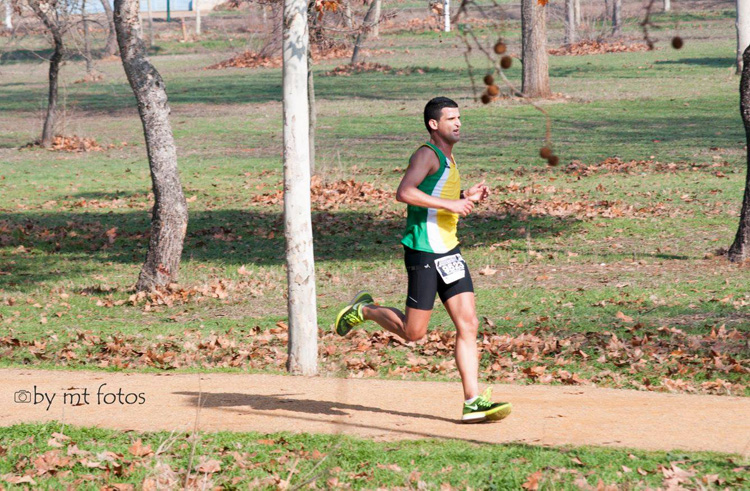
444 146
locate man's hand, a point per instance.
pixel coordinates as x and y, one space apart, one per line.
461 206
477 192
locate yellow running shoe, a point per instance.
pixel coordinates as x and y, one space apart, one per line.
351 315
482 409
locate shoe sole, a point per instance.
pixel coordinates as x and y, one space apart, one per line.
345 310
496 414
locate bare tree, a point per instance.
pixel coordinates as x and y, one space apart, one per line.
740 249
534 49
110 49
376 27
46 11
367 24
667 5
170 215
86 39
570 22
312 109
616 17
743 30
303 321
577 8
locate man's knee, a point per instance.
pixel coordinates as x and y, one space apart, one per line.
468 327
415 331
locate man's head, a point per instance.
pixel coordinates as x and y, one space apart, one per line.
441 116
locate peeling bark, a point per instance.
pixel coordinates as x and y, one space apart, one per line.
170 216
303 321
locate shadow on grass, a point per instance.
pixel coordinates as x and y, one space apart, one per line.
722 62
45 246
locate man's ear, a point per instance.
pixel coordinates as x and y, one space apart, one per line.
433 124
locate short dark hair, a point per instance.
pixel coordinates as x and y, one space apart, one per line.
434 108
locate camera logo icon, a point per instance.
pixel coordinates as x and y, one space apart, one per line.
22 396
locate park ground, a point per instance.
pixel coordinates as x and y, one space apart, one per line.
605 271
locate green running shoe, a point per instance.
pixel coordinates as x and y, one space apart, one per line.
351 315
483 409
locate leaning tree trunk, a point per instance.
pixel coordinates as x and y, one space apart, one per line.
169 218
367 25
616 17
44 11
303 322
743 30
740 249
570 22
110 49
535 75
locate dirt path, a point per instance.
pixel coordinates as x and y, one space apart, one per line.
378 409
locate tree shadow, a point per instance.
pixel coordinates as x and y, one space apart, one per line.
721 62
45 245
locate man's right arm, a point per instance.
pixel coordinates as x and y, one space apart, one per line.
423 163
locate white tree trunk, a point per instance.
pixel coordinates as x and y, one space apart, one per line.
570 22
8 15
303 323
196 3
667 5
743 30
150 23
447 15
376 27
577 7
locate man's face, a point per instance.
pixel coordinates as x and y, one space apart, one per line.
449 124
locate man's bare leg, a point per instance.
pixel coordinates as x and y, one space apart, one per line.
411 326
462 310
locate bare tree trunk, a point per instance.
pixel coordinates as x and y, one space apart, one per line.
446 15
44 11
743 30
376 27
86 39
577 8
534 49
313 114
150 23
616 17
8 15
347 14
570 22
303 322
196 3
667 5
740 249
367 25
170 215
110 49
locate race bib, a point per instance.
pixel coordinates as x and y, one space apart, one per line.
451 268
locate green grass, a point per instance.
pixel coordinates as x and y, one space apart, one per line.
334 461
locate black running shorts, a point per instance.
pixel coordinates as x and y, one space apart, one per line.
425 281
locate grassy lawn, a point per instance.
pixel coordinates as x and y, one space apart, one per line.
52 456
605 270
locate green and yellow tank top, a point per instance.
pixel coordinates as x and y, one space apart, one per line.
431 229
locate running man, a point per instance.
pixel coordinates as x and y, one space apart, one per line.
431 188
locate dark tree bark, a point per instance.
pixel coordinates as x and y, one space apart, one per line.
45 10
534 49
110 49
740 249
367 26
170 216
